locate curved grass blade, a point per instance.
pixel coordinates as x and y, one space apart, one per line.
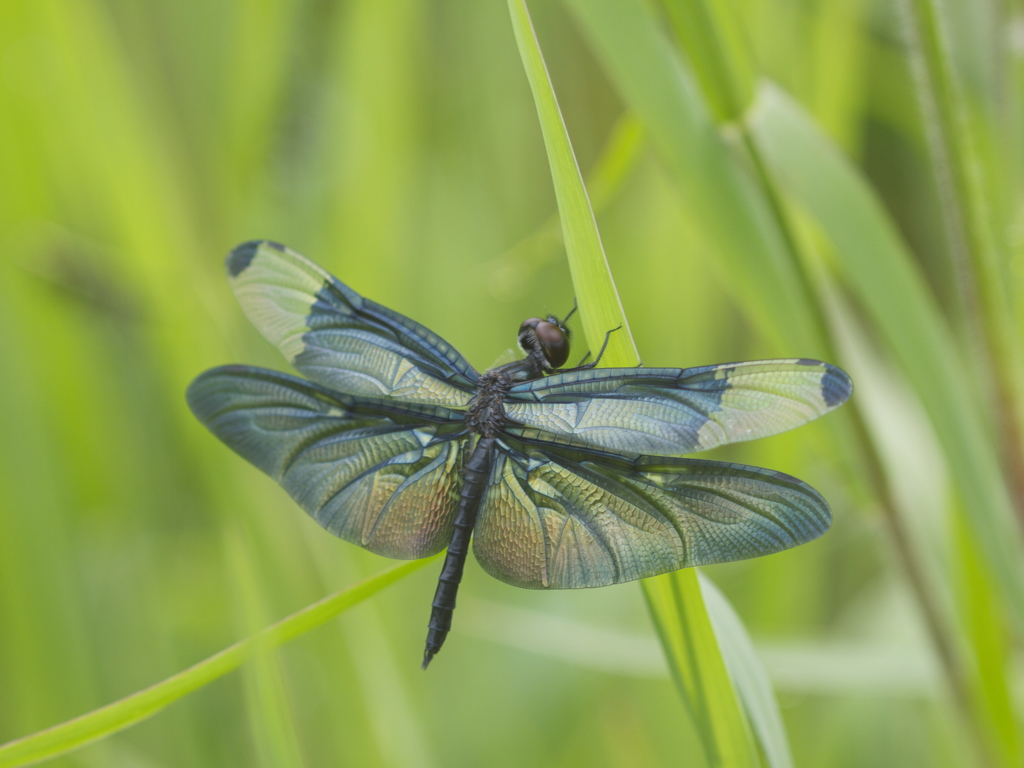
674 599
587 262
698 669
749 676
875 264
721 197
515 268
274 736
126 712
711 36
650 79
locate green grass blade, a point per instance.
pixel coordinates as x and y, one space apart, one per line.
721 198
590 274
675 599
270 720
983 621
712 38
876 265
698 668
700 26
132 709
516 268
749 676
976 240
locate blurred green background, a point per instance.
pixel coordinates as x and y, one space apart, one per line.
772 178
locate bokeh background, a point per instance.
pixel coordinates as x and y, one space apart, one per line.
397 144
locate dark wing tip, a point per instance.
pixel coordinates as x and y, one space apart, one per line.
242 255
836 386
240 258
427 656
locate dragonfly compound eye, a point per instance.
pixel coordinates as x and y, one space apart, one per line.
546 340
554 342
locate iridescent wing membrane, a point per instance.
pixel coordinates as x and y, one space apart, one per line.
574 502
338 338
671 412
373 447
558 516
384 477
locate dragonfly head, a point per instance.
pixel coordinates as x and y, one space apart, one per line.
546 342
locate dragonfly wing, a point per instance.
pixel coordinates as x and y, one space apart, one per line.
563 518
338 338
382 475
671 412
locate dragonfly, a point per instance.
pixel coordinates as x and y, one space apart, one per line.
560 479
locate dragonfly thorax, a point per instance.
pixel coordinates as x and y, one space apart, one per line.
546 344
486 415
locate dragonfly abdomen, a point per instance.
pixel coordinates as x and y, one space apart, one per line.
475 475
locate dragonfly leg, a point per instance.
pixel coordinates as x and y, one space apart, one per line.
575 306
585 366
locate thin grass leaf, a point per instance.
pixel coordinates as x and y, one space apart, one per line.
697 25
381 685
879 270
749 676
712 38
273 730
976 242
515 269
881 274
698 668
590 274
675 599
123 713
983 622
700 27
721 199
956 151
